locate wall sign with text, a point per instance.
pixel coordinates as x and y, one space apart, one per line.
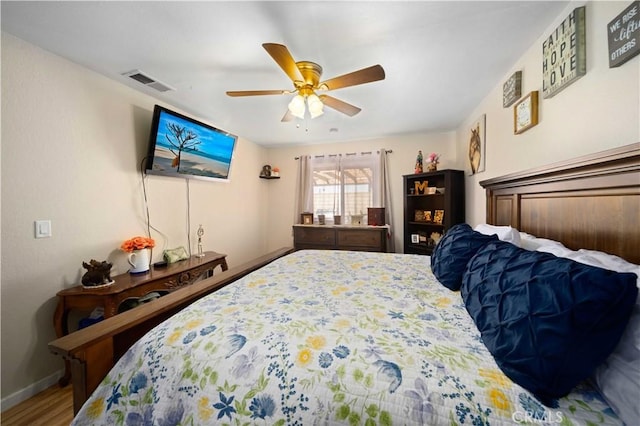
564 53
624 35
512 89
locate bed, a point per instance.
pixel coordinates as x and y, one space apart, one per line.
337 337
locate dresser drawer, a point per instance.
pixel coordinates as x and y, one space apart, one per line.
361 239
314 236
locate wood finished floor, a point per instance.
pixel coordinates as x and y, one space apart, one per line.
51 407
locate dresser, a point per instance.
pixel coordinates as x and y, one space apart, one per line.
340 237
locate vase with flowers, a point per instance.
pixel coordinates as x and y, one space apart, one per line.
433 162
139 257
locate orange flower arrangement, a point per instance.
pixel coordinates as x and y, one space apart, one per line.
137 243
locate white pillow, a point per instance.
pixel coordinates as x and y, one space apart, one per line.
618 377
504 233
531 242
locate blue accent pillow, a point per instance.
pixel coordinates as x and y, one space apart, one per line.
449 258
547 321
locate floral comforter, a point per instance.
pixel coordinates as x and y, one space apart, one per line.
325 337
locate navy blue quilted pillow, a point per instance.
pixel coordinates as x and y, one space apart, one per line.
449 258
547 321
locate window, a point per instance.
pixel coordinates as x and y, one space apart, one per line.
343 185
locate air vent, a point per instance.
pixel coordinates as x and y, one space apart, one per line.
147 80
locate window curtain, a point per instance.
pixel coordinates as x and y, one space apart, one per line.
304 188
382 194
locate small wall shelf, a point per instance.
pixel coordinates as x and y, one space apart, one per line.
269 177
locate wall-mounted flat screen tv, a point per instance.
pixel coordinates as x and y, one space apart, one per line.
184 147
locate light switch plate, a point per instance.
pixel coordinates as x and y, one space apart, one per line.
43 228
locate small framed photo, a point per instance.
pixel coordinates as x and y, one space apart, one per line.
525 113
418 215
438 217
306 218
427 215
415 238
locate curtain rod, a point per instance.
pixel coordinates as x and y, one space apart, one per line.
388 151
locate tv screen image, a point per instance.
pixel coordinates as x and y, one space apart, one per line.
183 147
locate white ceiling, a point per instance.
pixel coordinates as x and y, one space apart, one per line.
441 58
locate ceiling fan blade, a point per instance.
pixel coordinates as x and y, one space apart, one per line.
257 92
281 55
339 105
365 75
287 117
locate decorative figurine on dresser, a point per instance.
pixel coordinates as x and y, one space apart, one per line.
98 273
200 234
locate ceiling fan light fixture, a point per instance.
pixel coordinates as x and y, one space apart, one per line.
296 106
315 106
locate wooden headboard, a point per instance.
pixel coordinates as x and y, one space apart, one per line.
591 202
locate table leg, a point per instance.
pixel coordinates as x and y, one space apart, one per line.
60 324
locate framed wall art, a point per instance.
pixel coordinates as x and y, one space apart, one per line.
564 53
525 113
512 89
477 145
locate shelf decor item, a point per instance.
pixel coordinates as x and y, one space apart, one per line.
525 113
421 187
306 218
139 257
139 261
375 216
200 233
433 159
266 171
98 274
438 217
418 168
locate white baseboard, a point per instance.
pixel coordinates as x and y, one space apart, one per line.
31 390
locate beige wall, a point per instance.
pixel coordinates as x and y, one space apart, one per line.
72 144
64 159
601 110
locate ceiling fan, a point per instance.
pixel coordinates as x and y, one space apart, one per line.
306 81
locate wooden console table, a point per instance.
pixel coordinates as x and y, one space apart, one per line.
127 286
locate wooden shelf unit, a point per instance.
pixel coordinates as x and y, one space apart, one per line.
451 202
